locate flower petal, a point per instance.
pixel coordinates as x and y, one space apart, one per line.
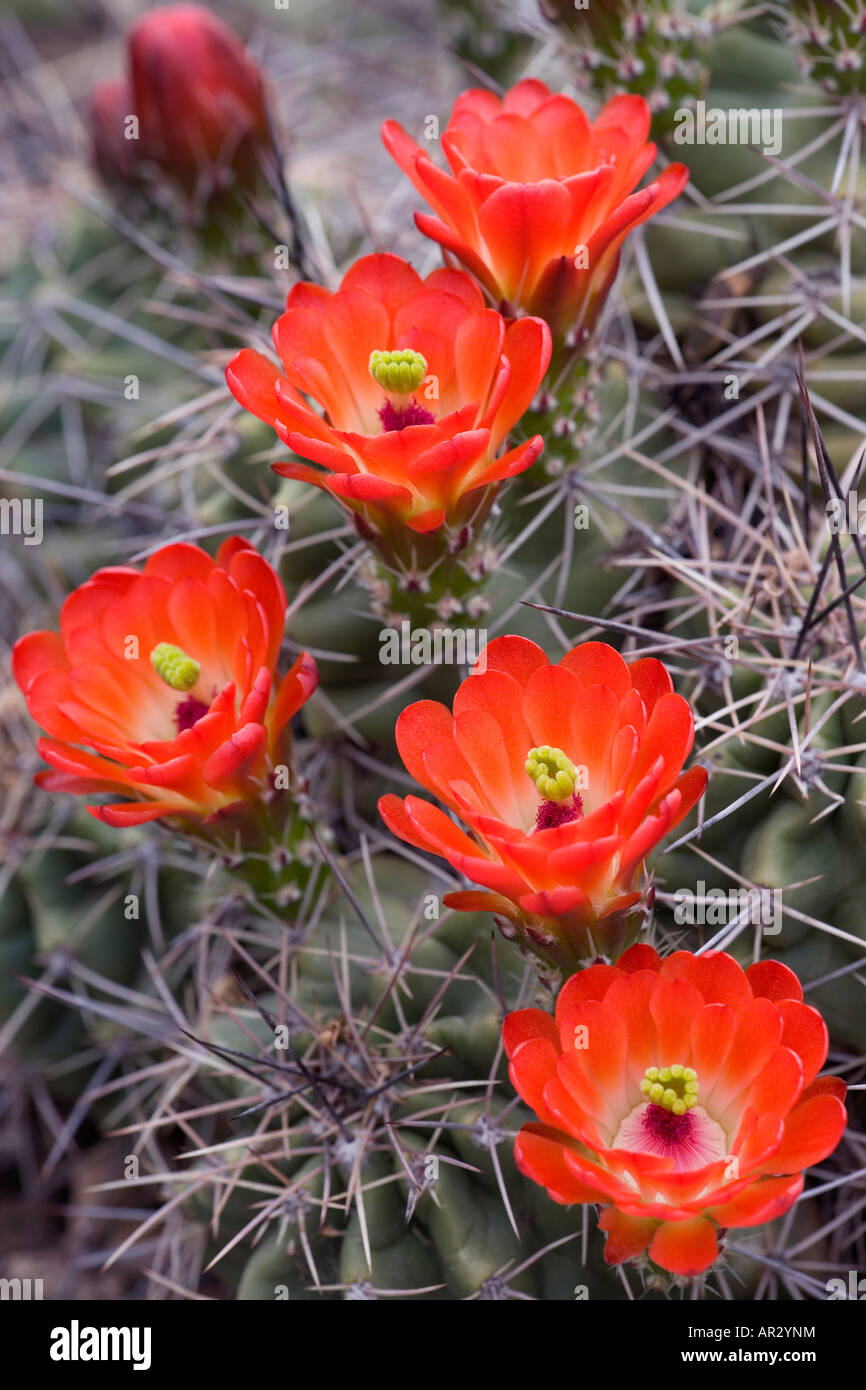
685 1247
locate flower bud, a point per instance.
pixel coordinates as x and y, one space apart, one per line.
199 99
114 140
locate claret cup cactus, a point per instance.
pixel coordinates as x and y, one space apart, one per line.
433 754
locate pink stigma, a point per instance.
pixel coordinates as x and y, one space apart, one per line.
550 814
667 1130
692 1140
187 712
413 414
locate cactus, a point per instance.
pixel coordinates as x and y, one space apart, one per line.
297 1041
830 39
656 48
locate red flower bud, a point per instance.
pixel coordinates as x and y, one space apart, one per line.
115 152
199 98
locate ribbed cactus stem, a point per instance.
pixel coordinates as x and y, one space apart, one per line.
830 40
651 47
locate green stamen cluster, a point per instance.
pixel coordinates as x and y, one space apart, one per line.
675 1087
553 773
399 372
174 666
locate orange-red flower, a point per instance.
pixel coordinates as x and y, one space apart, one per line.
162 686
199 98
566 775
738 1112
419 384
539 199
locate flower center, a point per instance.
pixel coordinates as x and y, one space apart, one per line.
673 1088
665 1130
173 666
399 373
555 778
550 814
670 1123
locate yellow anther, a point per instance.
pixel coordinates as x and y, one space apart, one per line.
553 773
674 1087
174 666
399 372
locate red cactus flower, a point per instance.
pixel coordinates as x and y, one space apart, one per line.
419 384
169 676
681 1094
539 199
566 775
199 98
115 157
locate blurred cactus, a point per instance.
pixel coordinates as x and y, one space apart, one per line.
653 47
114 151
485 34
829 37
189 132
199 101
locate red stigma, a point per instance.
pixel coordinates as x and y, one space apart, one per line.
187 712
413 414
553 813
667 1129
